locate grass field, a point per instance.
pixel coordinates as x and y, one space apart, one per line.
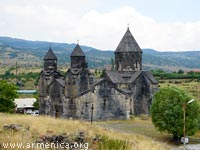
41 125
144 127
136 126
191 86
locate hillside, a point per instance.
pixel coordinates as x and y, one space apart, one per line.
172 60
31 53
26 130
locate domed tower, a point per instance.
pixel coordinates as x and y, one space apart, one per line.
128 55
50 61
78 58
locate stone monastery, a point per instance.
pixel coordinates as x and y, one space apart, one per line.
128 90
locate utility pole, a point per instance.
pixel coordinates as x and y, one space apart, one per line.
16 67
184 107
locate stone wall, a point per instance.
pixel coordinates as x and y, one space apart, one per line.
128 61
108 101
108 104
142 96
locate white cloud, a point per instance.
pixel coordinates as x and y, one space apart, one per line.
69 21
107 29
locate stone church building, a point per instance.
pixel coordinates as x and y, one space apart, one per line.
127 90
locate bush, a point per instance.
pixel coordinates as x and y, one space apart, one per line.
162 81
177 82
144 117
105 143
132 117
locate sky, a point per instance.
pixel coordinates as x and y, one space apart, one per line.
163 25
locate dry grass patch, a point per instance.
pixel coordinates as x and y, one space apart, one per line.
190 86
41 125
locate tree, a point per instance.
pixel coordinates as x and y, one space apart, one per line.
180 71
95 72
103 73
7 94
167 112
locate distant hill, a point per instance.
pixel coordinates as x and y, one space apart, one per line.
32 52
172 60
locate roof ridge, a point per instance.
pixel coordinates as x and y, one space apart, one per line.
151 77
135 76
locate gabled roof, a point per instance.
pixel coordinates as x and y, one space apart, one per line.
50 55
147 74
53 72
114 77
74 71
150 77
61 82
83 93
98 81
77 51
135 76
126 74
128 43
124 91
77 71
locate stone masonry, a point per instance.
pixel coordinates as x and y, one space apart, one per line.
127 90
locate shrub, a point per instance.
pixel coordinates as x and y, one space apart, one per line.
106 143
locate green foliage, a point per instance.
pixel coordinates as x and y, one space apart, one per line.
180 71
20 76
7 74
95 72
160 74
167 112
7 94
112 144
103 73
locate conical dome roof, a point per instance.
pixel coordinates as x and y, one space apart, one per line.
50 55
128 43
77 51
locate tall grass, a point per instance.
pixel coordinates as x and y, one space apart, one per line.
112 144
42 125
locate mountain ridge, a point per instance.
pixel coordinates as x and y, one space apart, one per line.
15 49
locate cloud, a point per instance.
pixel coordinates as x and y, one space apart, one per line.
64 21
107 29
